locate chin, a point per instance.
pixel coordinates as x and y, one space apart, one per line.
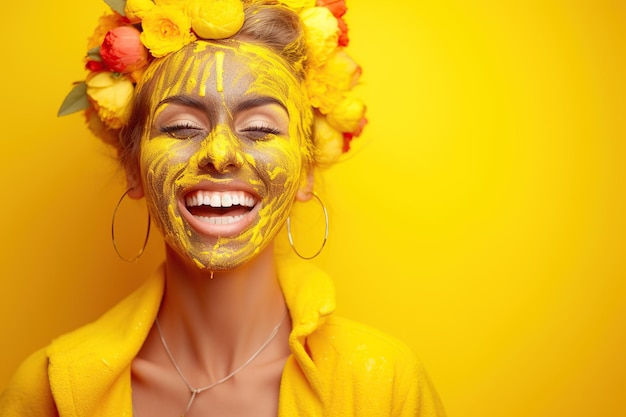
217 257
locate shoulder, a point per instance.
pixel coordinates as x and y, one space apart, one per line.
125 324
81 364
28 393
382 370
362 342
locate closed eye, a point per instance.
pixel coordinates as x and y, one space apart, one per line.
182 130
259 131
261 118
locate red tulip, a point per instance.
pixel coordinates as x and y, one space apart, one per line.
122 51
95 66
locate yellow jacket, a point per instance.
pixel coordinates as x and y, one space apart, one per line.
337 367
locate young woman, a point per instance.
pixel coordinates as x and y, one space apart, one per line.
219 140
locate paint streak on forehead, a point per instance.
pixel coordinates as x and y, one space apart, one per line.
185 72
206 69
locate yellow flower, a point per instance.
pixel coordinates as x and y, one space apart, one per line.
327 84
342 69
298 4
347 115
136 10
98 128
111 97
328 142
178 3
215 19
322 33
166 29
321 94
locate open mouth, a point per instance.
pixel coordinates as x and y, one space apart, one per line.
219 207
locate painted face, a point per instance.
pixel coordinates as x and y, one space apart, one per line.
222 158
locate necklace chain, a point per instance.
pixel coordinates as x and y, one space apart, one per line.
195 391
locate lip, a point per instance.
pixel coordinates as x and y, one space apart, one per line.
234 228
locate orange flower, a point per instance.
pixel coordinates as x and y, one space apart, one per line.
122 51
337 7
343 32
166 29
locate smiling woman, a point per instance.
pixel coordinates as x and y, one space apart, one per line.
219 128
237 134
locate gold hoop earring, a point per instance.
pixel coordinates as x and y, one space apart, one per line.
145 242
325 233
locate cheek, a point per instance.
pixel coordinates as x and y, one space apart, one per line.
161 161
280 170
279 163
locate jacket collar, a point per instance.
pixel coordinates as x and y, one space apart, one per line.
310 297
89 368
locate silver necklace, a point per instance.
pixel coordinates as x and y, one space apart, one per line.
195 391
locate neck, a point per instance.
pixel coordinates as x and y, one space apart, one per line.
226 316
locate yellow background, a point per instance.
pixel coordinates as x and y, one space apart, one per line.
481 220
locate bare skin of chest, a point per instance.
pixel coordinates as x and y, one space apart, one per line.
158 391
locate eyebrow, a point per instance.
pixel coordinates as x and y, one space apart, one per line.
188 101
246 104
258 102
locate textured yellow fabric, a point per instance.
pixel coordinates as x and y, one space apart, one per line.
337 367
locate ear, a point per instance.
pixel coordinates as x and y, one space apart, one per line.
134 184
306 188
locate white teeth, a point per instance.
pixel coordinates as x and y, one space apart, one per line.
221 220
220 199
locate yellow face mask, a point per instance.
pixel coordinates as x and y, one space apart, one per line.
222 157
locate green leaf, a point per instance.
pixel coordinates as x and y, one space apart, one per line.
117 5
94 54
75 101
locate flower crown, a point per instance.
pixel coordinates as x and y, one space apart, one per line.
137 31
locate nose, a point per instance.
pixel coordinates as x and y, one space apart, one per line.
220 150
